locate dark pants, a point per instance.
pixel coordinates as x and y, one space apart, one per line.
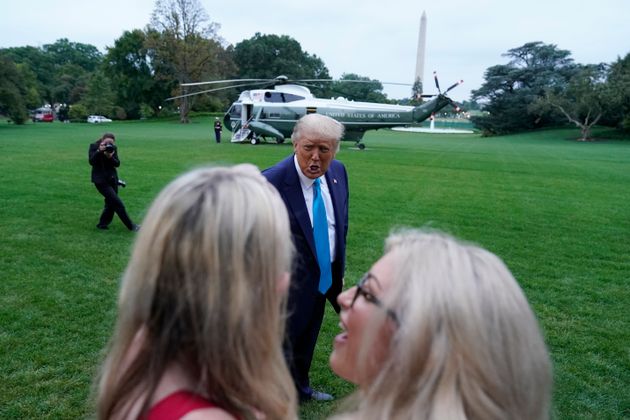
302 330
113 204
217 135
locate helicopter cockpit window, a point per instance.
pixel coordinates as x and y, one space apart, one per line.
281 97
235 111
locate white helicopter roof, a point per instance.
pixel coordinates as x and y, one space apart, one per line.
280 93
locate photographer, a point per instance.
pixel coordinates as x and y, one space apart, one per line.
103 156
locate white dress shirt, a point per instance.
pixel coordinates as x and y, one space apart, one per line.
307 190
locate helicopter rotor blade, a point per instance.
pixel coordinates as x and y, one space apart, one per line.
437 84
212 90
453 86
454 105
215 82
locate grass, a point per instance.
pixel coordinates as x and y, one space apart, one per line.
557 211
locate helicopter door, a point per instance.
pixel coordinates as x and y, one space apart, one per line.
243 132
247 113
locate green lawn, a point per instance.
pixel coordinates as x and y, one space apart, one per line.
557 211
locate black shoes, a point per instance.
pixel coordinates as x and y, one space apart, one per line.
134 228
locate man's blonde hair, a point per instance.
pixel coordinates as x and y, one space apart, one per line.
318 126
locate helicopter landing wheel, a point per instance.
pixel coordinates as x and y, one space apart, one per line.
254 140
361 146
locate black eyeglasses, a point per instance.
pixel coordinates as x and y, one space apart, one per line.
368 296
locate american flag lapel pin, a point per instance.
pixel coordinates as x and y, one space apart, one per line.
334 181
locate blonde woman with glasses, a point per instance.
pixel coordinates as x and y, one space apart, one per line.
440 329
201 306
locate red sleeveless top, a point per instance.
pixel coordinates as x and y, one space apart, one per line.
177 405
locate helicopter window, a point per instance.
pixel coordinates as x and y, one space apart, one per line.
281 97
274 115
235 111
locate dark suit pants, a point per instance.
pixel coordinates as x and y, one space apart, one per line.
302 330
113 204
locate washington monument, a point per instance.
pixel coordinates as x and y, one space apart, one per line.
422 42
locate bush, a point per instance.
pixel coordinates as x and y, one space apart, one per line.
78 113
120 113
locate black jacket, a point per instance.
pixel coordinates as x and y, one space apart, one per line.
103 168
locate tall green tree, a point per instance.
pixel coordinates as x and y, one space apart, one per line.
99 98
62 68
583 102
39 63
618 110
184 46
12 92
509 89
269 56
359 88
128 66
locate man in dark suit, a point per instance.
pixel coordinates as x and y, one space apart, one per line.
309 181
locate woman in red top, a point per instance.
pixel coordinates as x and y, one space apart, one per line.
201 306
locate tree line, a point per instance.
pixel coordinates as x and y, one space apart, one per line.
540 86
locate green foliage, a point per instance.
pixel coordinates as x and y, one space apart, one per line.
12 91
78 113
556 211
582 102
128 67
359 88
618 110
509 90
269 56
99 98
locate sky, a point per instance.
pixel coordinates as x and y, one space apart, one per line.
372 38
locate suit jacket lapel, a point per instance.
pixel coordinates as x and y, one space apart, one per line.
333 188
293 192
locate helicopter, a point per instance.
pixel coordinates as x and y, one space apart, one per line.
272 111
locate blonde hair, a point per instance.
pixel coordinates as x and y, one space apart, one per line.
320 126
202 283
468 345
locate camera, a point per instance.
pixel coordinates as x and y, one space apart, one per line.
122 183
110 148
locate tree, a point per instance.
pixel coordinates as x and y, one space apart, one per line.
416 92
583 101
128 66
508 91
359 88
39 63
184 45
62 69
99 98
269 56
618 111
11 91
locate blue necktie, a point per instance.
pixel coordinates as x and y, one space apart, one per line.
320 233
